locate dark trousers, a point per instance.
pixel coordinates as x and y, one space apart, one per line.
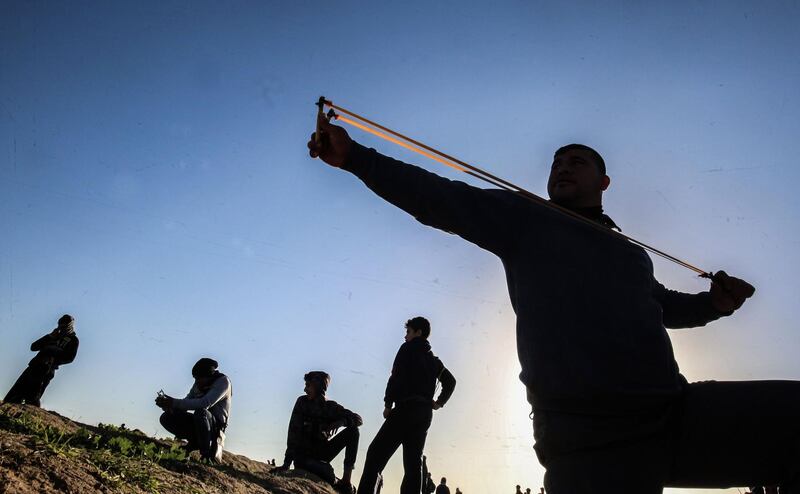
407 425
719 434
318 463
199 429
30 385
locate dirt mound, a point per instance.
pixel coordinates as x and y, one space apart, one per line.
43 452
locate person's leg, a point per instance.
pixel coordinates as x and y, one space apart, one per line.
205 431
318 467
587 454
347 440
180 424
386 442
737 434
17 392
414 435
623 468
41 383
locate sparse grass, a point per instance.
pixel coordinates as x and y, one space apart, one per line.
110 451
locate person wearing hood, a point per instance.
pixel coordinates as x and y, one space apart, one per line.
56 348
312 441
200 418
408 408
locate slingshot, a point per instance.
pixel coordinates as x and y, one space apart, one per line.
390 135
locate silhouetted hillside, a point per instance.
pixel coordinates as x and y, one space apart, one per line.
43 452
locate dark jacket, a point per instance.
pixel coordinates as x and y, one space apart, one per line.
442 489
414 374
55 349
310 424
591 316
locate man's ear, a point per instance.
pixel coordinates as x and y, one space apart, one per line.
605 182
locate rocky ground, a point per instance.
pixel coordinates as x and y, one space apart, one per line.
43 452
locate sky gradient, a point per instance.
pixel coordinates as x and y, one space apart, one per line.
154 183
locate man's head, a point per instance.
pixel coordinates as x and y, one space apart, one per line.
66 323
204 371
577 177
444 480
417 327
316 384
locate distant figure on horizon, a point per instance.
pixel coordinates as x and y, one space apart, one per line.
312 442
442 487
56 348
425 474
519 490
527 490
408 408
429 486
611 411
458 491
209 400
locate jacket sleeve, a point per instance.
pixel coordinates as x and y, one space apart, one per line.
348 418
685 310
218 391
448 386
67 354
294 434
487 218
41 342
395 379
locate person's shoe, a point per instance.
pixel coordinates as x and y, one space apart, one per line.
343 487
216 452
189 446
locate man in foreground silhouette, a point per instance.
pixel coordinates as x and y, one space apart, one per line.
202 416
408 409
312 442
612 413
56 348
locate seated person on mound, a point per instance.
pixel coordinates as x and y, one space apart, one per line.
209 400
311 442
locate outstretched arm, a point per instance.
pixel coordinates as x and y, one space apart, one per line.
488 218
686 310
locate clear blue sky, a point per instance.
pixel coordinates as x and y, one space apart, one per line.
154 183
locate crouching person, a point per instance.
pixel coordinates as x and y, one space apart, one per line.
312 442
202 417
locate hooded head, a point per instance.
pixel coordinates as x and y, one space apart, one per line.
66 323
204 371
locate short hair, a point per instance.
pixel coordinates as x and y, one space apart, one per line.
321 378
444 480
419 323
598 160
